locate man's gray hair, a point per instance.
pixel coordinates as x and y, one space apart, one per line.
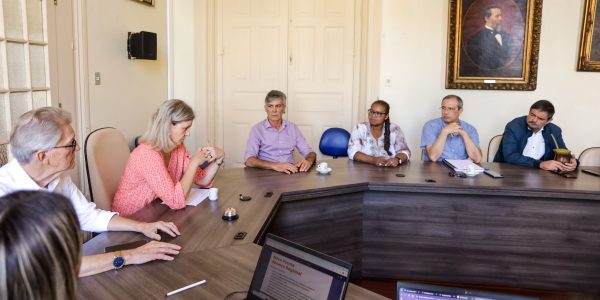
458 100
275 94
37 130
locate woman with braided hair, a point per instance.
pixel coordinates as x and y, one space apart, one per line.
379 141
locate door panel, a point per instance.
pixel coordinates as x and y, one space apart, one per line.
303 48
321 68
254 62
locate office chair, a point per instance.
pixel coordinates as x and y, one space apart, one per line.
334 142
106 153
590 157
493 147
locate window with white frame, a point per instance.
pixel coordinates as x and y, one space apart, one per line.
24 79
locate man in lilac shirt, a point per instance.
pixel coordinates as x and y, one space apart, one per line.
272 141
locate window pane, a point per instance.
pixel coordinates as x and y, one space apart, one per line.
13 23
15 54
37 63
19 104
4 125
39 99
2 76
34 20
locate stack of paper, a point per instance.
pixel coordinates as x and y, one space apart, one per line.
463 165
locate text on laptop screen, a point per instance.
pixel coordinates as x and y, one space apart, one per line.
415 291
289 271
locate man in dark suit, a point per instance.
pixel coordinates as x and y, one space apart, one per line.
528 140
490 47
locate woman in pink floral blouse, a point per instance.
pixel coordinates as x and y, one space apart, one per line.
378 142
161 167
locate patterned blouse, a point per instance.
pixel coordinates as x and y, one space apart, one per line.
146 178
362 140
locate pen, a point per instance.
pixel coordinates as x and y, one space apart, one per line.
187 287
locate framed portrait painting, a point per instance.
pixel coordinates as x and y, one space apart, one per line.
589 49
493 44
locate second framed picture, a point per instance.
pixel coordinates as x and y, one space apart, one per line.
493 44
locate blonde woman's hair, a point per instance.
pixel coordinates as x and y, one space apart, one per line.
40 246
169 113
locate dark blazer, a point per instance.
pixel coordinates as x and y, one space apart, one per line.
515 138
486 52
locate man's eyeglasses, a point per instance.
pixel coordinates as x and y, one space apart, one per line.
448 108
376 113
73 145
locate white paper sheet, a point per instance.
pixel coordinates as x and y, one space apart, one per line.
196 196
462 165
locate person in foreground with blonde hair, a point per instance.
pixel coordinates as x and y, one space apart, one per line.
40 246
44 148
161 167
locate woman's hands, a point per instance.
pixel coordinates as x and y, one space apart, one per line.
208 154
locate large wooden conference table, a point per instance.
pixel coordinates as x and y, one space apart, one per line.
531 229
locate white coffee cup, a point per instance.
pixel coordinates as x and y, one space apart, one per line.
213 194
322 167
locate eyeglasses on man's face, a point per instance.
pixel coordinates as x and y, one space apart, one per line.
72 145
376 113
448 108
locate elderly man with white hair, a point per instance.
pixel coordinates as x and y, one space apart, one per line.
43 146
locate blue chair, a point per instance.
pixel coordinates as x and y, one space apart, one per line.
334 142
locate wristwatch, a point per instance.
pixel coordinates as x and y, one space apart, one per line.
118 261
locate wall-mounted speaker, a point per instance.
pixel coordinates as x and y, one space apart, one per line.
141 45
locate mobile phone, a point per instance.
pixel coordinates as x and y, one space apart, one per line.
590 171
125 246
240 235
493 173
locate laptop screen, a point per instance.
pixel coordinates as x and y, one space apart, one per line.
286 270
415 291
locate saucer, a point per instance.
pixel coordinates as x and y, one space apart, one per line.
324 172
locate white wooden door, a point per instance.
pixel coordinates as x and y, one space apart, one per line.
321 67
254 58
303 48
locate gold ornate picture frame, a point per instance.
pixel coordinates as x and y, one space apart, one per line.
493 44
147 2
589 49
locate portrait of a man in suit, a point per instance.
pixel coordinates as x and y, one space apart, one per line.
493 44
490 47
595 53
493 36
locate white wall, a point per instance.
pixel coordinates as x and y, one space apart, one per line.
413 55
190 64
131 90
